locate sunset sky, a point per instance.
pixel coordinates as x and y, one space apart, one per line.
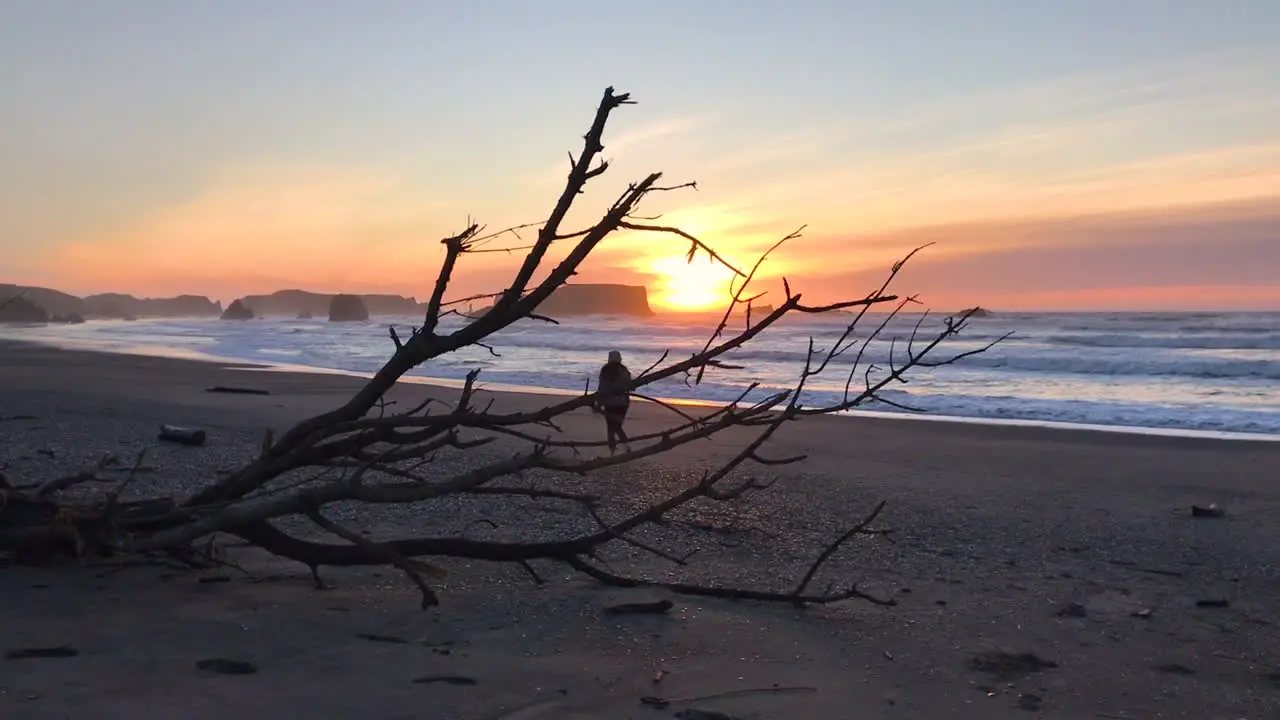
1079 154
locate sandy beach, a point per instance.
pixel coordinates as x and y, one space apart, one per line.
1075 546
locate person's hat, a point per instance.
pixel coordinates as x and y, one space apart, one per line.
615 356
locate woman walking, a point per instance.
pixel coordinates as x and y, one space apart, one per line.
613 398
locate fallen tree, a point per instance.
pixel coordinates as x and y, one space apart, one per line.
363 453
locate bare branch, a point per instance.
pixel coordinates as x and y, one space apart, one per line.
411 568
696 243
454 246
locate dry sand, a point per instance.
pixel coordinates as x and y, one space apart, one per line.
997 531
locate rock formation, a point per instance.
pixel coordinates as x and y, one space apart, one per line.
392 305
21 310
294 303
114 305
757 311
977 312
347 308
599 299
237 310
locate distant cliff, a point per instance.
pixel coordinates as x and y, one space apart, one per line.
297 303
117 305
568 300
598 299
114 305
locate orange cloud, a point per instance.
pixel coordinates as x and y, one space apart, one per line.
310 227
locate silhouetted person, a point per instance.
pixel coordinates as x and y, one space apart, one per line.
612 398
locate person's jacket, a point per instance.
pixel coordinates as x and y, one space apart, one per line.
612 388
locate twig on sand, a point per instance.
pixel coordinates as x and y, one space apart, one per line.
60 651
640 608
446 679
1151 570
660 702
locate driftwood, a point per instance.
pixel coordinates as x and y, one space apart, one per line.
237 390
182 435
34 531
37 530
362 452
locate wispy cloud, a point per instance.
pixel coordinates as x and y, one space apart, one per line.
662 129
628 146
1058 123
1047 170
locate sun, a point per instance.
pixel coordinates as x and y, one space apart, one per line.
700 285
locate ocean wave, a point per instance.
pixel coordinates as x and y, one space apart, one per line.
1173 370
1208 368
1236 340
1030 359
1097 411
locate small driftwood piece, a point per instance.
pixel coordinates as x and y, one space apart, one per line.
237 390
182 435
640 608
226 666
662 702
59 651
446 680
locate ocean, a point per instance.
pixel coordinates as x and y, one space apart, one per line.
1187 373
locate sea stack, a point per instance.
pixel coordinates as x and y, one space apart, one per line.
237 310
347 308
